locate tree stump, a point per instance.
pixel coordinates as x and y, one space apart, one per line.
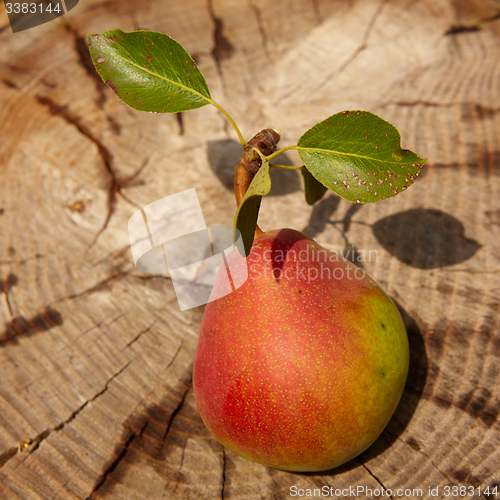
95 357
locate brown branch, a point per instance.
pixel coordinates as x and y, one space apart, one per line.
265 141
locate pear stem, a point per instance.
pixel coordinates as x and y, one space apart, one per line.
227 115
265 142
288 167
282 150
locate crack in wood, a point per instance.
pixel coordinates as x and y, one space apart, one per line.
362 46
374 476
177 409
37 441
223 48
130 201
135 174
114 185
137 428
182 457
146 330
106 386
85 60
101 285
171 362
271 475
223 473
457 29
117 460
412 443
420 103
127 182
479 108
93 398
260 25
433 464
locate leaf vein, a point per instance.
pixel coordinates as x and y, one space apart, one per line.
340 153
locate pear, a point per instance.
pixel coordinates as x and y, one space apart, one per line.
302 366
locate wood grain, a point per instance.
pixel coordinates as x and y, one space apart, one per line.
95 357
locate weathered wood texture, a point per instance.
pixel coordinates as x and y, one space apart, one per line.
96 358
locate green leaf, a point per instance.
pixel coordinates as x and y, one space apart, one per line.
247 213
314 190
358 155
149 71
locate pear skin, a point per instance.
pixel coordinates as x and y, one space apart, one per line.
302 366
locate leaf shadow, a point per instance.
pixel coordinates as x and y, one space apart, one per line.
224 155
349 215
425 238
320 218
320 215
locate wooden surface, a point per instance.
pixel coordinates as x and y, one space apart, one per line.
95 357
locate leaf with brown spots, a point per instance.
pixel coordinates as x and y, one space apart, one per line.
358 155
149 71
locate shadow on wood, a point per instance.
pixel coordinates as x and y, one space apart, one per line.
425 238
224 155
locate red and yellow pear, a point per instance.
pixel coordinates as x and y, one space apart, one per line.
301 367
